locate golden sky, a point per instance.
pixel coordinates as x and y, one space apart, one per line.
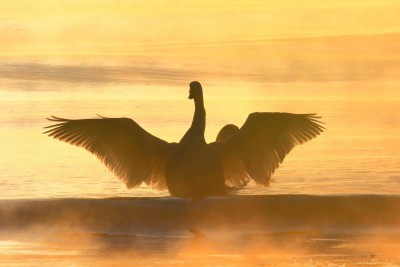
132 27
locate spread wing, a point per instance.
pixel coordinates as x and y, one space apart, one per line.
131 153
263 142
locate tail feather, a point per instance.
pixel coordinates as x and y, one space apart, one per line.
226 132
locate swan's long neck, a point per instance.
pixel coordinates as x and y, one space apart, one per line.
199 118
195 134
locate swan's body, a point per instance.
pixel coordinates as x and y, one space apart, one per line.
191 168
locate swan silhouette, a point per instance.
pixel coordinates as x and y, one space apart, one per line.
191 168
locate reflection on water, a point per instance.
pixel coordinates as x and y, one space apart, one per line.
85 250
357 154
292 230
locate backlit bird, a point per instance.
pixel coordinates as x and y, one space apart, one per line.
191 168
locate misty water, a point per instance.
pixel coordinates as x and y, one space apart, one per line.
335 201
59 202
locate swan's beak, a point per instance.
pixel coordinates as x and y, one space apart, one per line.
190 96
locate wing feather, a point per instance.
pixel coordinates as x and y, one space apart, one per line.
131 153
263 142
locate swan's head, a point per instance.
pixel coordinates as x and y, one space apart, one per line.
195 90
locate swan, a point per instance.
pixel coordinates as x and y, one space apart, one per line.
191 168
